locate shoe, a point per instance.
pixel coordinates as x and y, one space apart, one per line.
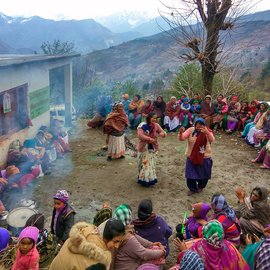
47 172
109 158
122 157
166 130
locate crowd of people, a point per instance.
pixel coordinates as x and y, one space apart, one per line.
214 236
32 158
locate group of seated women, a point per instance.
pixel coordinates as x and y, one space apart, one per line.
33 158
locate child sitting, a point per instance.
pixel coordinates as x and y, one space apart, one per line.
185 113
62 217
198 219
27 256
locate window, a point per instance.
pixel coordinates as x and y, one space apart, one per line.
13 110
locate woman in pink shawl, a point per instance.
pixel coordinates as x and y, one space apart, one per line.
216 252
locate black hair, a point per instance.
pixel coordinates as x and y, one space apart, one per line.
145 209
113 228
149 116
138 96
98 266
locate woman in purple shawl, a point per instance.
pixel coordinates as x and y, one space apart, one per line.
198 219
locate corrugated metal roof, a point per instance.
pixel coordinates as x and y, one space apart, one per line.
15 59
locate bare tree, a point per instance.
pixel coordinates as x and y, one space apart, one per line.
202 28
57 47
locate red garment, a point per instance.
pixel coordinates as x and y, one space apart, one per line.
28 261
147 108
198 150
172 110
116 121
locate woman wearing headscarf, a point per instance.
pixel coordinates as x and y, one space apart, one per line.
147 108
199 155
233 113
171 118
221 109
134 250
148 134
198 218
4 238
188 260
115 126
151 226
253 211
258 123
226 216
207 110
135 111
216 252
262 256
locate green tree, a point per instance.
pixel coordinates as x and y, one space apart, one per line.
188 81
57 47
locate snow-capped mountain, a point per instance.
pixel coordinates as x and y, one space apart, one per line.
125 21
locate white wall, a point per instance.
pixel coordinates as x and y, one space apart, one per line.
37 77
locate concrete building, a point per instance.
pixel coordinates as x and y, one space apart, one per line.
25 95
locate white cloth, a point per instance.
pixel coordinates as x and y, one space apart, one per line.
174 123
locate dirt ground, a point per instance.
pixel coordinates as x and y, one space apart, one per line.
91 179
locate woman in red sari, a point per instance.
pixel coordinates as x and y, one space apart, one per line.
114 126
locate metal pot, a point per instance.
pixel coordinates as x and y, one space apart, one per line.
16 219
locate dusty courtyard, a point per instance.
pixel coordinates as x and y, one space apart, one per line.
91 179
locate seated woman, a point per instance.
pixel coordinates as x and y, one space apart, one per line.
261 136
146 109
36 154
264 156
263 252
233 114
244 114
207 110
256 125
159 109
115 126
135 111
150 226
171 119
18 158
185 117
199 217
226 216
216 252
253 211
221 109
88 245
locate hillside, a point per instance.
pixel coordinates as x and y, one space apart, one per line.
148 57
27 34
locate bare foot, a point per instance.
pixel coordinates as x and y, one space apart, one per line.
253 160
263 167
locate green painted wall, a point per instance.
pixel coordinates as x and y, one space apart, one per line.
39 102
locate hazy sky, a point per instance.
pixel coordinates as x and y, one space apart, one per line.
85 9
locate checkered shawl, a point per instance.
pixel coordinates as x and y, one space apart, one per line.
191 261
262 256
123 213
